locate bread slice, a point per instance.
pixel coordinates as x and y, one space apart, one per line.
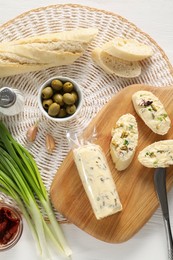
116 66
158 154
44 51
152 111
124 141
127 49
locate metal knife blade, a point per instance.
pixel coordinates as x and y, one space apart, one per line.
160 185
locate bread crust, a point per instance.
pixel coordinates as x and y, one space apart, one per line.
127 49
44 51
116 66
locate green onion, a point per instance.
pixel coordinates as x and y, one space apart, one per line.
20 179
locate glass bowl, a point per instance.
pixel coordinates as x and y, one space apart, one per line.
11 226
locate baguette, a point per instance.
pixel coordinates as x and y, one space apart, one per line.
43 51
116 66
127 49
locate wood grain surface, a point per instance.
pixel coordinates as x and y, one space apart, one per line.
135 184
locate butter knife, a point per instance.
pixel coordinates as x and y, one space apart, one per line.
160 186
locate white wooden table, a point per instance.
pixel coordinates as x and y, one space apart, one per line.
155 18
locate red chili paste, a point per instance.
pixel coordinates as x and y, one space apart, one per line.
9 224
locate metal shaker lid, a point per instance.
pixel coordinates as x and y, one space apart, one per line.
7 97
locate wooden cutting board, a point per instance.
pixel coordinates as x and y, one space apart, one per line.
135 184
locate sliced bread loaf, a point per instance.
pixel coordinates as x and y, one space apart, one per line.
116 66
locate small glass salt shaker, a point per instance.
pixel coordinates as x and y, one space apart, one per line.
11 101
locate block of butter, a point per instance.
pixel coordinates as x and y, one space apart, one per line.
97 180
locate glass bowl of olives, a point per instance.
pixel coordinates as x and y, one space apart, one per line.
60 98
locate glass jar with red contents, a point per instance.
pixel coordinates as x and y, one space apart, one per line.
11 226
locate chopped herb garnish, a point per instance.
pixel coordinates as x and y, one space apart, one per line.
160 151
160 119
155 162
164 115
150 154
130 127
126 142
153 116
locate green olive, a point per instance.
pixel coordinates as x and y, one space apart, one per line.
71 109
47 92
62 112
54 109
75 95
68 99
58 98
68 87
46 103
56 84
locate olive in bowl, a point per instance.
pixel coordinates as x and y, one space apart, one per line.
60 98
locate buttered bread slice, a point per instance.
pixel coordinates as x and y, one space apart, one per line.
158 154
152 111
124 141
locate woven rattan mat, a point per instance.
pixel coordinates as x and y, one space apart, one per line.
97 86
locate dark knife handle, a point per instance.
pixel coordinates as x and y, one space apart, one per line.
160 184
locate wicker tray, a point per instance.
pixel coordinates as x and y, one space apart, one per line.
98 87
